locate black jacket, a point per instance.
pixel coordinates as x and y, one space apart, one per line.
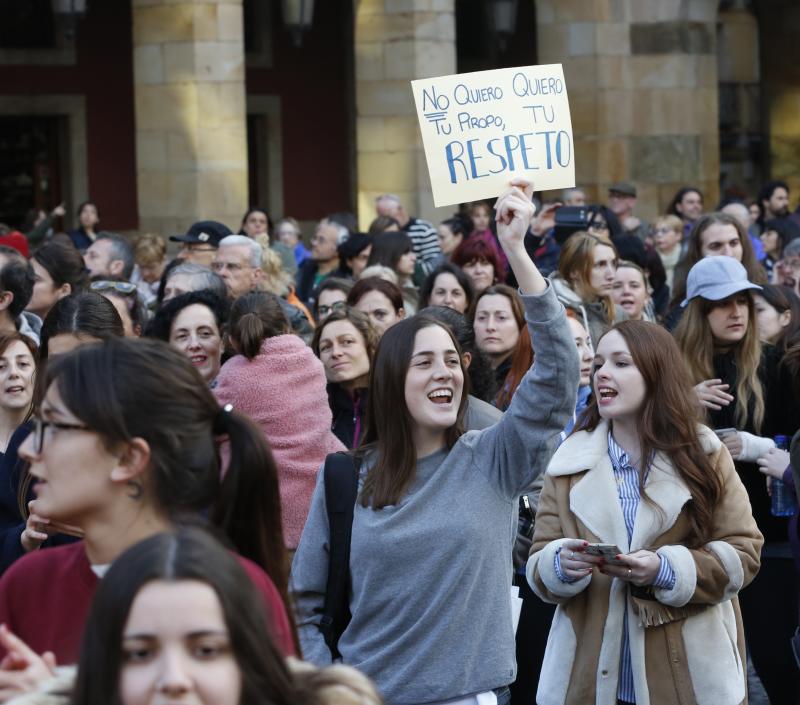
349 414
781 417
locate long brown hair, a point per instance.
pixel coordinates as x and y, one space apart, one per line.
696 342
140 388
390 426
668 421
694 253
190 554
575 263
522 356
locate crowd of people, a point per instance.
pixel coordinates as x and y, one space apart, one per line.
529 455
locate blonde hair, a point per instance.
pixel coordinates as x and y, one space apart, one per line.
575 263
378 270
673 222
334 685
696 341
149 250
276 279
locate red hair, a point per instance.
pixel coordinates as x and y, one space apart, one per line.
522 357
474 249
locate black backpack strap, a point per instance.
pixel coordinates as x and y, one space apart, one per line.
341 491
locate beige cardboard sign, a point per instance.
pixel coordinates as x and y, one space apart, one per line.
482 129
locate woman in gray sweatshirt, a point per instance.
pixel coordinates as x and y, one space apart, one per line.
436 515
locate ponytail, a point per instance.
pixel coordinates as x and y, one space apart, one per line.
254 318
247 509
140 388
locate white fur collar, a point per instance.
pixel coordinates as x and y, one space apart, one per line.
594 499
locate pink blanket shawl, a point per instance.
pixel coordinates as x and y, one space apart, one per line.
282 389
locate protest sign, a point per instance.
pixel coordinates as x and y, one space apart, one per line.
482 129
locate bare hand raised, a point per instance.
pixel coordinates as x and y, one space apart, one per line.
514 211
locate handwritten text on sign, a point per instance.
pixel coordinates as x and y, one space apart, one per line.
481 129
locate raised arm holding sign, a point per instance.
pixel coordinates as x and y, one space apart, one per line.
482 129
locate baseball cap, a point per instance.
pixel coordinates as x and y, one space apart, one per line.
624 188
716 278
208 232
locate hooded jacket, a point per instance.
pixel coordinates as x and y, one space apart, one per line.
592 315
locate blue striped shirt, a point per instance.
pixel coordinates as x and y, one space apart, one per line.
627 477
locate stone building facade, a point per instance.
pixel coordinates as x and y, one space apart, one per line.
209 121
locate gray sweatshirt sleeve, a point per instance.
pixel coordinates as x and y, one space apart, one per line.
309 578
516 450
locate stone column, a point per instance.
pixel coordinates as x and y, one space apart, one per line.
191 126
642 80
397 41
780 52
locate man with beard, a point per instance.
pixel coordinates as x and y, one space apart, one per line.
774 202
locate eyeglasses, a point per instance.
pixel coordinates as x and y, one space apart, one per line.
338 306
793 264
598 225
106 285
40 426
230 266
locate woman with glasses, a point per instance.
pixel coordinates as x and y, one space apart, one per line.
331 296
74 321
345 342
124 447
787 269
584 281
277 382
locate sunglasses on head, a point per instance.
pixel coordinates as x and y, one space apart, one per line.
106 285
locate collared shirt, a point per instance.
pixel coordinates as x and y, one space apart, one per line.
627 477
627 480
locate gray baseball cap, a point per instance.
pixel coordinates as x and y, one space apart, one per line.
716 278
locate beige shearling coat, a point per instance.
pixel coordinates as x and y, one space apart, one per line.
694 655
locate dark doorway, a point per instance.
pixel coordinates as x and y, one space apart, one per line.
31 148
27 25
479 47
258 162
